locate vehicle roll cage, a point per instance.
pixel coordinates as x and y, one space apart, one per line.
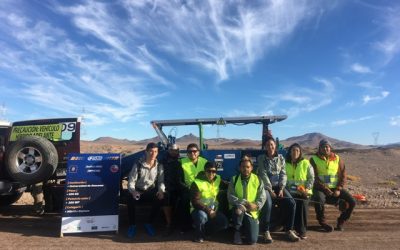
264 120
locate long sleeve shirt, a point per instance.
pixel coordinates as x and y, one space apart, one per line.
272 171
146 177
319 185
195 194
235 201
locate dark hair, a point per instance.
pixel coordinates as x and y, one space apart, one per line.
270 138
244 158
151 145
289 155
192 145
210 164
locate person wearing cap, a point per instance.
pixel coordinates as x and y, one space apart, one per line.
330 176
300 180
271 170
171 165
204 204
246 196
146 184
190 167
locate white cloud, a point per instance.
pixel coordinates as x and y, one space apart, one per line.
358 68
390 44
395 121
58 74
368 98
349 121
368 85
223 37
305 99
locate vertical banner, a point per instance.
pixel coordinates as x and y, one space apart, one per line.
91 199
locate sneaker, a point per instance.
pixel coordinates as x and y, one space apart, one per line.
131 231
198 240
292 236
339 225
267 237
237 238
328 228
149 229
303 236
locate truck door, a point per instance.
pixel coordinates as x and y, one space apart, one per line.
3 135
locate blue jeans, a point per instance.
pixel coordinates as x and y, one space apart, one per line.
203 223
250 226
286 204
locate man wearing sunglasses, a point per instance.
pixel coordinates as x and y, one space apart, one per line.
190 167
204 205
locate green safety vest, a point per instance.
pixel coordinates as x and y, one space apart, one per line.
190 171
209 192
297 176
327 170
252 188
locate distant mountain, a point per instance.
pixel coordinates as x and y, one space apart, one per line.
311 140
111 140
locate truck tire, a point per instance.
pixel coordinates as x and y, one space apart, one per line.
31 159
8 199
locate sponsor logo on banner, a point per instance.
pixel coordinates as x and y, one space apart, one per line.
229 156
73 169
95 158
114 168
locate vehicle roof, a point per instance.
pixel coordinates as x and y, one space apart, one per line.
222 120
39 121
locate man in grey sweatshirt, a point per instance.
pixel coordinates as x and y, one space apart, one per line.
146 184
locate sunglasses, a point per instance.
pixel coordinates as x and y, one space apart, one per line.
192 151
211 171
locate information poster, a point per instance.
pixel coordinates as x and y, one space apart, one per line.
91 199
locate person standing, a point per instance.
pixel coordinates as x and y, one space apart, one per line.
246 196
171 165
300 180
271 170
146 184
330 176
190 167
204 205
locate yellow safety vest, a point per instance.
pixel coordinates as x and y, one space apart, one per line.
252 188
209 192
297 176
327 170
190 171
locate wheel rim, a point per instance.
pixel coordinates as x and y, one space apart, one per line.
29 160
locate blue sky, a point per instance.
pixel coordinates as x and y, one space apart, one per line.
331 66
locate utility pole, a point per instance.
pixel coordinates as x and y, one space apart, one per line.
375 135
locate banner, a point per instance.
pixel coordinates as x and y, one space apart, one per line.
91 200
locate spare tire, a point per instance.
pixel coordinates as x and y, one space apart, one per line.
31 159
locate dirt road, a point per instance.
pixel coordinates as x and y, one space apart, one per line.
368 229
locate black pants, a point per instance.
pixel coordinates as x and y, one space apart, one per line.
321 198
184 216
301 215
148 196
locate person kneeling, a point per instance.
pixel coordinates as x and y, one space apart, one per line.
246 197
204 205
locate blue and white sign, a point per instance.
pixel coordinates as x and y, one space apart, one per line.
91 199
